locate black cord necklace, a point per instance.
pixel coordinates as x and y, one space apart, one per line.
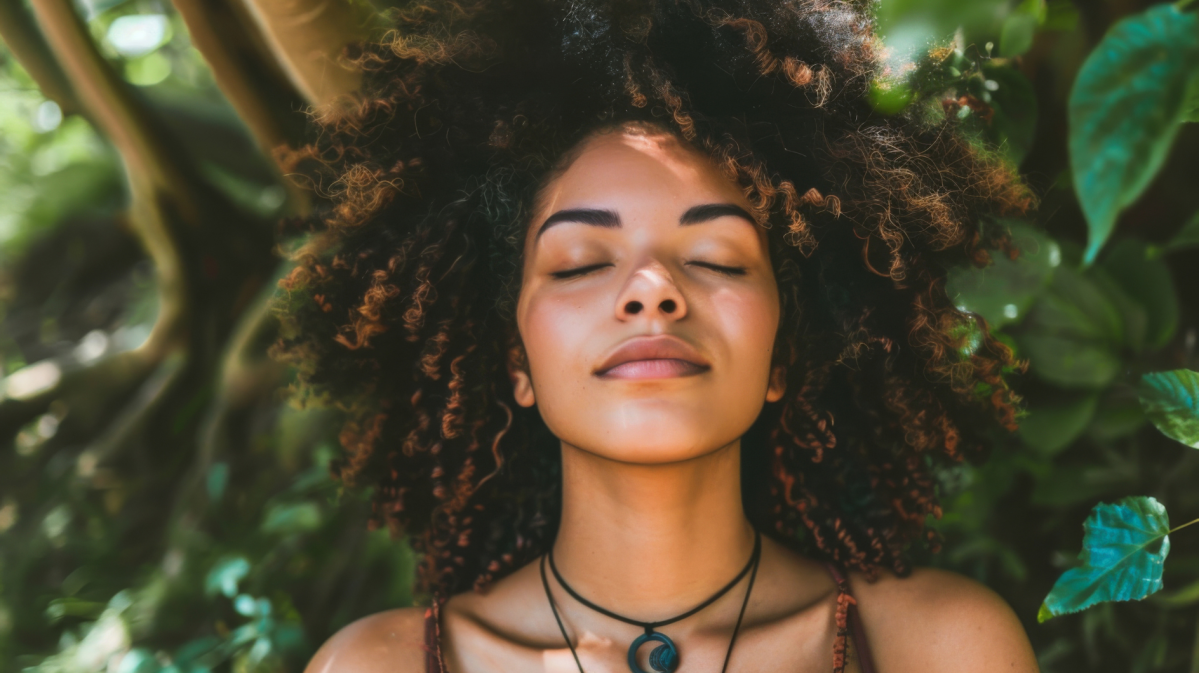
665 657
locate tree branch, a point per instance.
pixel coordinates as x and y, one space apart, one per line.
247 376
246 71
162 191
309 36
25 41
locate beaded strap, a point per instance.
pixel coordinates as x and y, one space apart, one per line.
848 622
433 662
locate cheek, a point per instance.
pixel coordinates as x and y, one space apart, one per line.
750 322
555 330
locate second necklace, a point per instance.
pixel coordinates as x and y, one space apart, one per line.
665 657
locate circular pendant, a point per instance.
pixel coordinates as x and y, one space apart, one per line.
663 659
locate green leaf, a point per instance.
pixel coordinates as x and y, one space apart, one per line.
1171 401
198 650
1070 485
1125 109
1147 281
138 660
1191 106
1069 363
70 606
292 518
1003 292
1052 425
1073 333
1038 9
1124 546
245 605
1187 237
1060 15
225 575
1134 318
1018 31
1014 103
218 479
890 98
1119 415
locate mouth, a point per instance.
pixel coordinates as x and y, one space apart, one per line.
654 369
653 357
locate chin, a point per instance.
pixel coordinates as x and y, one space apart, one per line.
655 441
648 430
650 454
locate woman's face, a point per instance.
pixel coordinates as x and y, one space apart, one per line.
648 307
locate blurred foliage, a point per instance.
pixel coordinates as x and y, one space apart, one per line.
219 543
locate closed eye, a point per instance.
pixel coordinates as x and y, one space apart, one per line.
579 271
726 270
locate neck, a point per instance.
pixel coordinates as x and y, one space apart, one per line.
651 541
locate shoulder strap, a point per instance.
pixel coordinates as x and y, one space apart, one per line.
433 662
849 625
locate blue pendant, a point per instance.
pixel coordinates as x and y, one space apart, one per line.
663 659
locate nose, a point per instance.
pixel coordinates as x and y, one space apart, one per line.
651 293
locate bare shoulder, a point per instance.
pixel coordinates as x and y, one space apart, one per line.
936 620
386 642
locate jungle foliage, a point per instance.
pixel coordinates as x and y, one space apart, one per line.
164 508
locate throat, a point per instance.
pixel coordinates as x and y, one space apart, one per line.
651 541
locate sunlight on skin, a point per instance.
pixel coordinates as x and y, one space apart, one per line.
569 326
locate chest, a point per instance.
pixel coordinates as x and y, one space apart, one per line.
806 642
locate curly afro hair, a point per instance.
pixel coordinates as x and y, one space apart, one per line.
400 309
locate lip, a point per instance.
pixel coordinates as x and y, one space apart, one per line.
652 357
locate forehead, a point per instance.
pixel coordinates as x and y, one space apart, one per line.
626 171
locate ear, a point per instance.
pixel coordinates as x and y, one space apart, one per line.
778 383
518 374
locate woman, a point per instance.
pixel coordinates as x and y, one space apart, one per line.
637 312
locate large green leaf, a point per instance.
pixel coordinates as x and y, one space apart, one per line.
1060 15
1020 26
1134 318
1119 415
1136 266
1123 548
1073 334
1072 485
1018 31
1054 423
1171 401
1125 109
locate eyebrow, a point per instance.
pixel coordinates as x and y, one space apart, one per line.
712 211
609 219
